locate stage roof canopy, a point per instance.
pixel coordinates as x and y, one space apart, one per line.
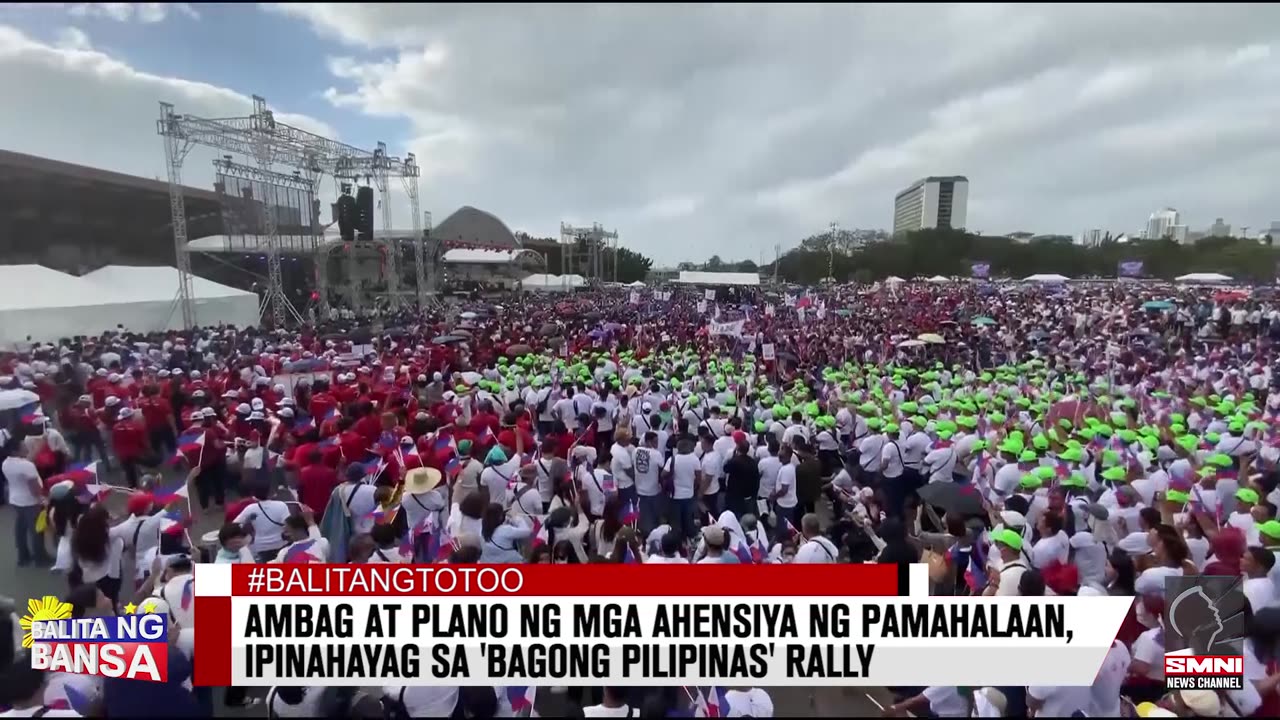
690 277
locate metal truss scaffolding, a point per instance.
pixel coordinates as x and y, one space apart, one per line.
591 252
271 145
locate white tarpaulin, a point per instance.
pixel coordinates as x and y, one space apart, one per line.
552 283
727 328
693 277
44 304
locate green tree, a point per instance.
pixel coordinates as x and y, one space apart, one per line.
632 266
714 264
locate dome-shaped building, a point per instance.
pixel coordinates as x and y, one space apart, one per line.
471 228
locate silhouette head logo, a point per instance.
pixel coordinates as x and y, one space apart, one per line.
1204 615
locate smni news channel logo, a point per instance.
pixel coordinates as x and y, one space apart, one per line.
1204 631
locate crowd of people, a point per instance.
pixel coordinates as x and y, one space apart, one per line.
1020 439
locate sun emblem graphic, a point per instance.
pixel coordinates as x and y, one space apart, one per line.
48 607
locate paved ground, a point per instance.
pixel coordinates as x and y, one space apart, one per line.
21 584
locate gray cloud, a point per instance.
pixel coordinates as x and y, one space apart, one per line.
726 129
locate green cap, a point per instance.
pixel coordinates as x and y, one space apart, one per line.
1029 480
1271 529
1219 460
1178 496
1008 537
1027 456
1044 472
1248 495
1115 474
1075 479
1072 454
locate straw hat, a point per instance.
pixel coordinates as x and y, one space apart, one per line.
420 480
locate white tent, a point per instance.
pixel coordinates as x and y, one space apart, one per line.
694 277
939 279
636 284
45 304
552 283
893 280
1046 278
1203 278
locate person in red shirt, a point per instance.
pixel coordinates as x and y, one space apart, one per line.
129 439
321 401
157 415
316 480
81 424
211 480
354 446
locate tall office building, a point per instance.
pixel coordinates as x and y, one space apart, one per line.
1091 237
1219 229
1161 223
933 202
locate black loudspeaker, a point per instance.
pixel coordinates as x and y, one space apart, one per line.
364 209
345 212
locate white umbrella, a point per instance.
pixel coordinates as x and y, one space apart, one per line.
910 344
468 315
14 399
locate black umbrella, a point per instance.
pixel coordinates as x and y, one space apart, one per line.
446 339
955 498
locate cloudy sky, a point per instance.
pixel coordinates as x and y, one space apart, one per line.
697 130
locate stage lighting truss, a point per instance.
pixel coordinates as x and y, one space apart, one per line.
271 144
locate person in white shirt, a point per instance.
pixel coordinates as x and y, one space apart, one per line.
305 543
942 701
748 702
815 548
26 495
686 475
499 473
784 494
622 465
712 470
647 462
614 705
1105 693
502 536
425 498
769 466
265 519
1058 701
893 472
669 551
1004 580
1053 545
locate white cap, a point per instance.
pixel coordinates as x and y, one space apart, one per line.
126 413
100 372
256 404
113 377
112 400
285 412
209 413
243 409
278 388
195 373
163 373
286 401
256 415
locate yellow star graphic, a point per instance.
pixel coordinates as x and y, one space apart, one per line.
149 607
130 609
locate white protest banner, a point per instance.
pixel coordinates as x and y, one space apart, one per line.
768 310
766 351
822 312
727 328
710 294
635 298
361 350
702 306
290 380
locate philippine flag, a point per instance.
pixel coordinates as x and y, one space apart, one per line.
521 698
300 552
78 473
629 514
717 703
744 554
169 494
190 445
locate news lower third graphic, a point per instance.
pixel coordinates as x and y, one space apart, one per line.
132 646
1204 630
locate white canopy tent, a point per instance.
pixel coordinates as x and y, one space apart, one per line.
44 304
637 284
694 277
893 280
1203 278
552 283
939 279
1046 278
